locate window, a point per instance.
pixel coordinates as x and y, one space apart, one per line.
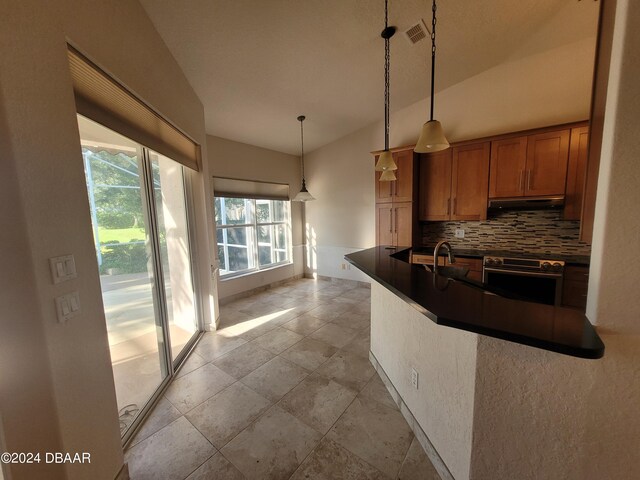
252 234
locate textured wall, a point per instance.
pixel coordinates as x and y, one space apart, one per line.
445 359
230 159
50 211
535 231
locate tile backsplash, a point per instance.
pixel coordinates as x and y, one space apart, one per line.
527 231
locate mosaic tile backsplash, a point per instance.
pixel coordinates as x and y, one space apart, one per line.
522 231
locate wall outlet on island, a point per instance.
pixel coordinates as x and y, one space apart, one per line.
345 266
459 233
414 378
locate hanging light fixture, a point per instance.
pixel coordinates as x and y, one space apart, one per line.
432 137
303 195
385 163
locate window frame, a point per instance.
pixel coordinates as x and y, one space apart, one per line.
253 243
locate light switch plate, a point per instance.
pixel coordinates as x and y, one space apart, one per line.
63 268
459 233
67 306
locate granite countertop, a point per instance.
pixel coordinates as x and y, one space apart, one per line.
582 260
469 306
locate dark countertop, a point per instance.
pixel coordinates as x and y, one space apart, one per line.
581 260
469 306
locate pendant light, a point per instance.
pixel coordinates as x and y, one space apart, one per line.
303 195
385 163
432 137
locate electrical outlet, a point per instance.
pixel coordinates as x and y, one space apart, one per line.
414 378
459 233
343 266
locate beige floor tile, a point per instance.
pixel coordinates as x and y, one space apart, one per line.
348 369
216 468
278 340
275 378
354 320
334 335
376 390
376 433
243 360
194 388
194 361
213 345
280 299
309 353
329 311
304 324
224 415
416 465
329 461
318 401
253 329
272 447
171 453
361 345
163 414
358 293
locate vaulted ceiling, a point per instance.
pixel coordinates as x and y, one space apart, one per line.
256 65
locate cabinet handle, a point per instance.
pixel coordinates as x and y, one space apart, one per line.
520 181
391 220
528 179
396 224
448 206
454 205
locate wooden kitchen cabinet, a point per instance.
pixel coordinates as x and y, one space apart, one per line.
394 223
547 159
508 164
400 190
395 202
574 287
470 181
576 173
529 166
435 186
454 183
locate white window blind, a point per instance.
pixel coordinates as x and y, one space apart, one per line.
235 188
104 100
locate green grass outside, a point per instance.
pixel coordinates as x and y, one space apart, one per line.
122 235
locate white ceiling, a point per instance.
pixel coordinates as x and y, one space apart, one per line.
257 65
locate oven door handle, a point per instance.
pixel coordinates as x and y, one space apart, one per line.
524 274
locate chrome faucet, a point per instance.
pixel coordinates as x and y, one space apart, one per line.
436 252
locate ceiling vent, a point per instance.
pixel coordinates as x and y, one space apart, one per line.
417 32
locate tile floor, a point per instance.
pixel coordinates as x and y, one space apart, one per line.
283 390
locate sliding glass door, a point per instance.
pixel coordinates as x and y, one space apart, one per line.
139 214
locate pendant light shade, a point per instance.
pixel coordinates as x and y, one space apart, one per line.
385 162
303 195
432 137
388 176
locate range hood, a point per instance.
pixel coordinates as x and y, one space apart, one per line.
527 203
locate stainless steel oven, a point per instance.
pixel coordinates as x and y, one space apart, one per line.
526 278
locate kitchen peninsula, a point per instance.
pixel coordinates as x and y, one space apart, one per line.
469 391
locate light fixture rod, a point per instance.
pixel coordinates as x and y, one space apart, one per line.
433 55
301 119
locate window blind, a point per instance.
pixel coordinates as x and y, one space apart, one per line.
236 188
104 100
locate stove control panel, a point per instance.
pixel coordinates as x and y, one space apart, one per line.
524 264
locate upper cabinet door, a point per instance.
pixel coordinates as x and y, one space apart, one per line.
470 181
508 164
435 186
384 190
403 186
576 173
547 159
